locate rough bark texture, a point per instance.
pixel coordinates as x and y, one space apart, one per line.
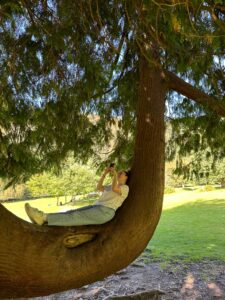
34 260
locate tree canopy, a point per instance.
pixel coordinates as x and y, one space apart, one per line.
62 62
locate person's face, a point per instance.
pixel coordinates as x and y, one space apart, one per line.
122 177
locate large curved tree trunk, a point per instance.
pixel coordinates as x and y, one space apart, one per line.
34 260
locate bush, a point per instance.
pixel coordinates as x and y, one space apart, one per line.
208 188
74 179
169 190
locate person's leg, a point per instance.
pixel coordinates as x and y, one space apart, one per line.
87 215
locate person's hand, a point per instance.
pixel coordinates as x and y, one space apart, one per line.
107 170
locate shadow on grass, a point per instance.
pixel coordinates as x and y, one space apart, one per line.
193 230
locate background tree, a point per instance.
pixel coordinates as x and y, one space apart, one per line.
74 179
61 62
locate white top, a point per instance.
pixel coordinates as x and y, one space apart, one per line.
112 199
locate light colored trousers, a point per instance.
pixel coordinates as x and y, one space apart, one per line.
87 215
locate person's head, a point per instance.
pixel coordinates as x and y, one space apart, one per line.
123 177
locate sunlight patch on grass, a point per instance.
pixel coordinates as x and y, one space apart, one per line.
181 198
48 205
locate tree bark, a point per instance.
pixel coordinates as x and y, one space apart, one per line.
34 260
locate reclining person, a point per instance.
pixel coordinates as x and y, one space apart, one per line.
102 211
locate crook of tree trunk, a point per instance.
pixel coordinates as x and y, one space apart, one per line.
34 260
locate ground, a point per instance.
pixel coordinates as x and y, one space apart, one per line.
146 279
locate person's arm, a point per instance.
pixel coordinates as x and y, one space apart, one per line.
100 186
115 187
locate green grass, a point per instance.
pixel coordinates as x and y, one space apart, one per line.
48 205
192 227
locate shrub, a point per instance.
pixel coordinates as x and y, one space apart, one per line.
208 188
169 190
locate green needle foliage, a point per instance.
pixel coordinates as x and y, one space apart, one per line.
62 62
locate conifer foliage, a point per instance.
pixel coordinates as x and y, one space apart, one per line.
64 61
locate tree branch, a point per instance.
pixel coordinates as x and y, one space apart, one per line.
179 85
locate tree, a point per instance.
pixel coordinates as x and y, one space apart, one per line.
61 62
74 179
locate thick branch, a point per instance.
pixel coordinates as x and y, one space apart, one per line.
177 84
220 7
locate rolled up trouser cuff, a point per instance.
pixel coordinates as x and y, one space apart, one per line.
87 215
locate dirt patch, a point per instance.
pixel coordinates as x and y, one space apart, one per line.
156 280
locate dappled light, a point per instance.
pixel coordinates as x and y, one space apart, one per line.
190 288
188 283
215 289
210 246
157 280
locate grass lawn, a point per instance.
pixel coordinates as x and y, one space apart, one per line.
192 225
48 205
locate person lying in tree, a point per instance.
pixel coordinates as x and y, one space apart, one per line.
102 211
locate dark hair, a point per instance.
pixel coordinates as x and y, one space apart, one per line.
128 173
